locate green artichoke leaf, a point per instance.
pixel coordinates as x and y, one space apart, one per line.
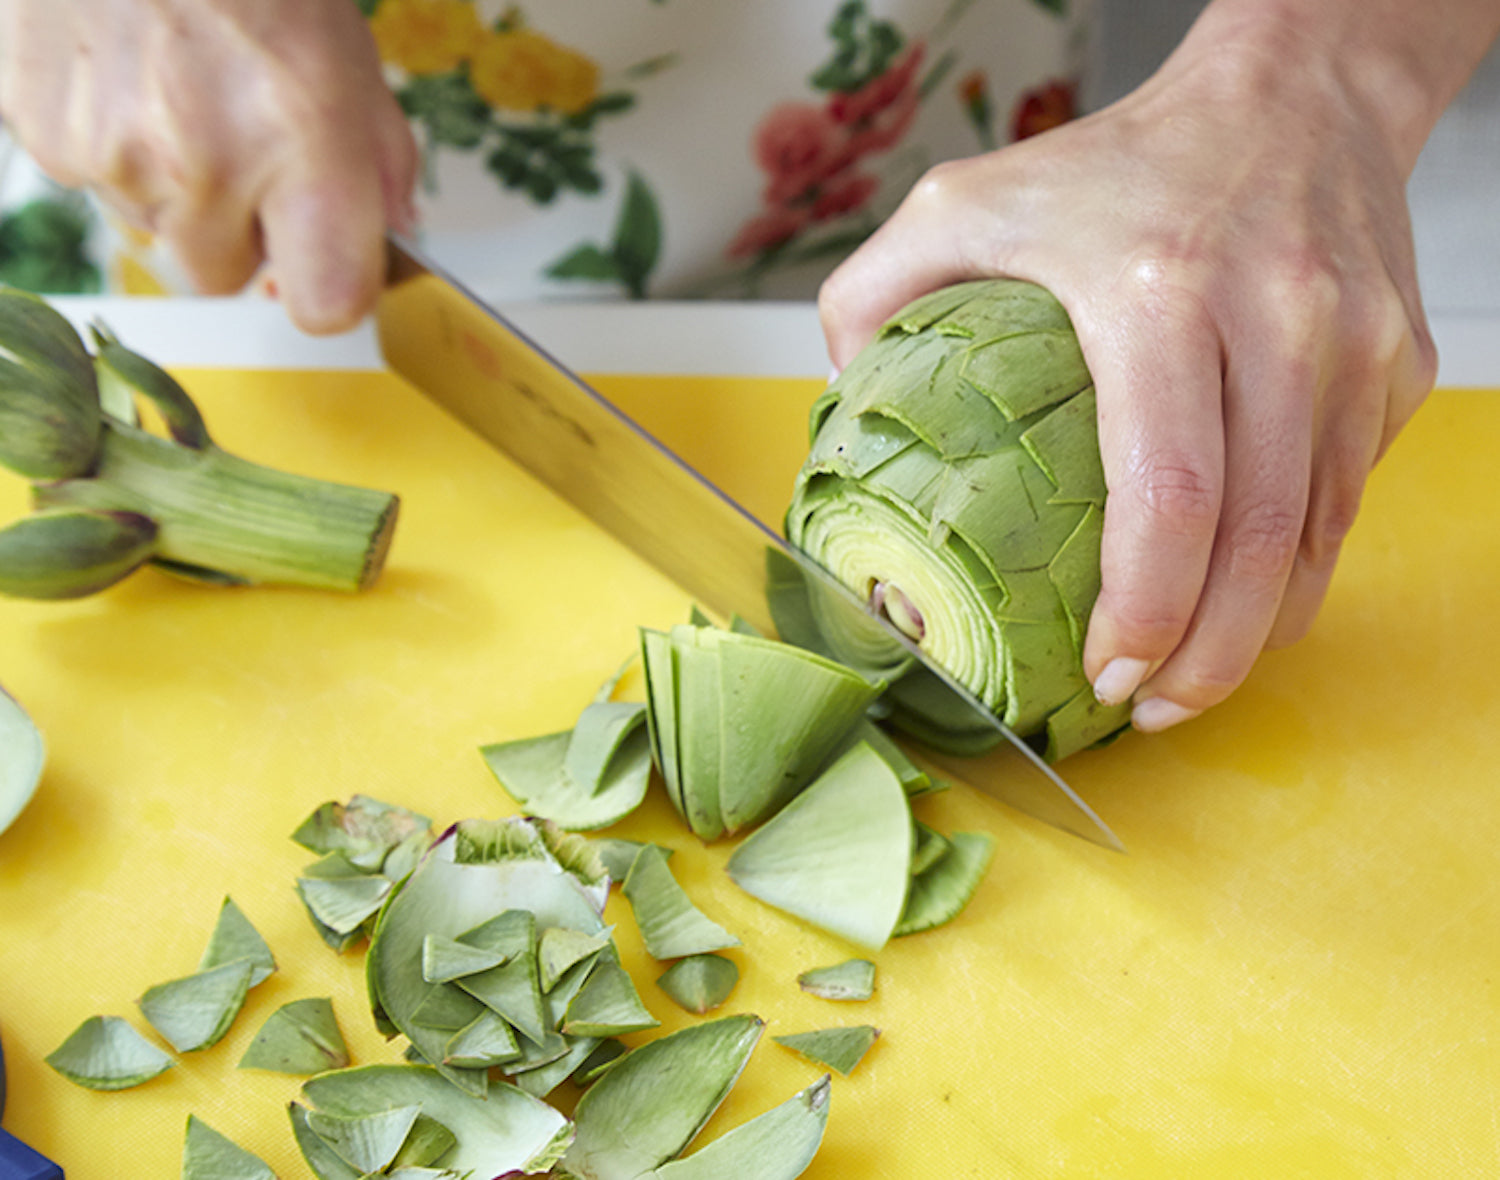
534 772
777 1145
929 846
22 757
234 938
426 1145
208 1155
671 926
1065 446
1027 371
485 1041
560 948
839 1049
326 1164
940 893
301 1037
60 553
340 896
107 1053
606 1006
602 730
123 374
366 1142
839 855
50 418
603 1055
365 830
700 983
506 1131
539 1081
619 854
853 979
447 959
513 991
195 1012
649 1104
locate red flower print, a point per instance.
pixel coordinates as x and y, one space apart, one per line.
1043 108
881 111
768 230
843 194
797 145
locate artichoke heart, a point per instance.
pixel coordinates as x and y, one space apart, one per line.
954 482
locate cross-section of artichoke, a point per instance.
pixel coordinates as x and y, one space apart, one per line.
954 481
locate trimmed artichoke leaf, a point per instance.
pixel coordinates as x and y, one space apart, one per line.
301 1037
560 948
366 1142
853 979
650 1104
326 1164
508 934
916 781
234 938
447 959
195 1012
695 677
22 755
208 1155
700 983
342 904
364 829
448 1009
603 1055
607 1005
839 1049
777 1145
619 854
505 1131
533 772
427 1143
512 991
485 1041
670 924
661 711
598 736
71 552
940 894
928 847
1085 722
1065 445
541 1080
107 1053
839 855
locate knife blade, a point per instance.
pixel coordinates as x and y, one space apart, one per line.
492 377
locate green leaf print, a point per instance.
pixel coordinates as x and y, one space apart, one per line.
447 108
863 49
633 251
1059 7
43 247
586 262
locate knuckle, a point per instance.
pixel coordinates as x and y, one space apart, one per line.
1263 543
1178 492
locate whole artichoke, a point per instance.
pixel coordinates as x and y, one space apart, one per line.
954 481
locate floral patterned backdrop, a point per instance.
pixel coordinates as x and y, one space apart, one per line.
686 148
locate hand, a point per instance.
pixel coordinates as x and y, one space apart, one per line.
1233 245
240 131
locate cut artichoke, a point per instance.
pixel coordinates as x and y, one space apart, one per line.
301 1037
22 755
954 481
839 1049
107 1053
208 1155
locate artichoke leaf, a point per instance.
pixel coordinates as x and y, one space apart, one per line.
777 1145
649 1104
839 855
670 924
60 553
853 979
839 1049
939 894
195 1012
534 772
208 1155
365 830
700 983
234 938
366 1142
560 948
301 1037
50 417
447 959
485 1041
22 756
601 731
107 1053
607 1006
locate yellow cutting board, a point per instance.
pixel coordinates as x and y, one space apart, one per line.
1295 972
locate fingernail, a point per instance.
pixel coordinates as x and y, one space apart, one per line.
1158 713
1120 678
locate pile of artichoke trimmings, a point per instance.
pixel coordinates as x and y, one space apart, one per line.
954 481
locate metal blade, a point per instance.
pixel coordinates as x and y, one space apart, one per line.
490 376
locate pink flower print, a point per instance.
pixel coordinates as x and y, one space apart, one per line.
881 111
766 231
797 145
843 193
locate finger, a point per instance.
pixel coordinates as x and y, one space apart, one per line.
216 241
918 249
1270 395
323 224
397 163
1155 357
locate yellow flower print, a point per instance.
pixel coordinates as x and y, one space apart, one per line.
521 70
426 36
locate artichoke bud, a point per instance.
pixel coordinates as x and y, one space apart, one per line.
50 420
124 375
72 552
954 481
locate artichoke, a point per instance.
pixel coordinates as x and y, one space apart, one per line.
954 482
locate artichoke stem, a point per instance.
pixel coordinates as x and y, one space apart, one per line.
223 515
890 601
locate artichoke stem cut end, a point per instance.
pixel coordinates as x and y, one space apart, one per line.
892 604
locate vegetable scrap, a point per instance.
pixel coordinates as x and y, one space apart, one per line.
853 979
22 755
699 983
839 1049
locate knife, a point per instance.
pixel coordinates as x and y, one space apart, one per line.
488 374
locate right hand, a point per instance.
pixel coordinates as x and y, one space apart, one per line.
240 132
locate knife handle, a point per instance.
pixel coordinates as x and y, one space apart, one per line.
19 1162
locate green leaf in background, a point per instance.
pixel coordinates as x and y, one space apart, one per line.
301 1037
196 1011
587 262
448 107
234 938
44 247
699 983
22 756
853 979
107 1053
637 238
208 1155
839 1049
